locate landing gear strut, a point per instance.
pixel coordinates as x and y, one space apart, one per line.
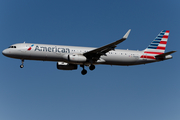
84 71
22 65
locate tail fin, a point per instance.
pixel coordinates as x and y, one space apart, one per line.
158 45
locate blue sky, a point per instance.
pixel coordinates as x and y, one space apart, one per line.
41 92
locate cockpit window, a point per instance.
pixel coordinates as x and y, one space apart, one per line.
12 46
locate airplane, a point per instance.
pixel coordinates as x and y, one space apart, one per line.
69 57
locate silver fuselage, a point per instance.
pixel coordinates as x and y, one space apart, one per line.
57 53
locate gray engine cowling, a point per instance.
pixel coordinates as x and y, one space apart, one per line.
66 66
75 58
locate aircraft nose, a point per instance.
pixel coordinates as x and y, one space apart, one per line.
5 52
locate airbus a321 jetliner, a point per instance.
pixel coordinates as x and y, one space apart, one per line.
69 57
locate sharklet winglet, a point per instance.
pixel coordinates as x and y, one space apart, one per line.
127 34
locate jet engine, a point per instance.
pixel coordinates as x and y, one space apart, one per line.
75 58
66 66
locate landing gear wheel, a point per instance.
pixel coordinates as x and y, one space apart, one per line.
92 67
83 72
21 66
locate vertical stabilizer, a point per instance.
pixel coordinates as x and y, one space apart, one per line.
157 46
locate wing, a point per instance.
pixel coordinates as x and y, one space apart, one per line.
96 53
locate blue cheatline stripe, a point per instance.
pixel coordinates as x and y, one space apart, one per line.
153 44
163 31
161 34
152 47
156 41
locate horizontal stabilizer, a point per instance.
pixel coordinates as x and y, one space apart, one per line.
163 56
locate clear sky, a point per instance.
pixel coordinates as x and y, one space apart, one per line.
39 91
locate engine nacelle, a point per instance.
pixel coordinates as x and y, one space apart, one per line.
66 66
75 58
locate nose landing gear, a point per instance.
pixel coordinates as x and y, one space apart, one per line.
22 65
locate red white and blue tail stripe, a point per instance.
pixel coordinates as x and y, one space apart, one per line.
157 46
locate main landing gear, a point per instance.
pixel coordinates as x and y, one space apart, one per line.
84 71
92 67
22 65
